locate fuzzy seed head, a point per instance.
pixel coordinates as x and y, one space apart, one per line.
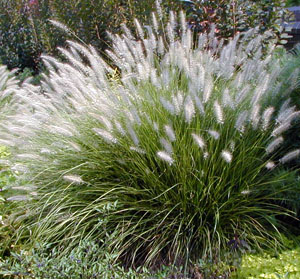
266 118
165 157
270 165
214 134
133 135
18 198
137 149
255 118
274 144
166 145
170 133
218 112
227 156
207 90
177 101
242 117
107 136
75 146
281 129
227 100
199 104
76 179
189 109
167 105
246 192
120 128
290 156
199 141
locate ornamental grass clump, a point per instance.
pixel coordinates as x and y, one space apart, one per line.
165 160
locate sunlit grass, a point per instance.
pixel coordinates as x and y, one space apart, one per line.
166 164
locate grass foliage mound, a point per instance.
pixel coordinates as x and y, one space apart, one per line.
167 160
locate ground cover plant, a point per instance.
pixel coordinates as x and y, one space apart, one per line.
85 261
284 265
169 159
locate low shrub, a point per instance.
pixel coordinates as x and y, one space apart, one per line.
171 160
26 32
231 17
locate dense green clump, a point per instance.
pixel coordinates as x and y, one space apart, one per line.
173 158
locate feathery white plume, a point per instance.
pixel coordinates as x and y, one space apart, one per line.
199 141
177 101
139 28
274 144
245 192
281 129
214 134
29 156
218 112
7 142
170 132
46 151
242 117
60 130
227 100
166 145
75 146
227 156
266 117
19 168
165 157
189 109
284 113
133 135
270 165
291 117
255 116
207 90
154 22
76 179
158 9
107 136
18 198
137 149
167 105
103 120
120 128
199 104
60 25
290 156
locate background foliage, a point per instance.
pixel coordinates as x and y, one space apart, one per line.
25 31
235 16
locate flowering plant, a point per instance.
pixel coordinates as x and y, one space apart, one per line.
164 161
